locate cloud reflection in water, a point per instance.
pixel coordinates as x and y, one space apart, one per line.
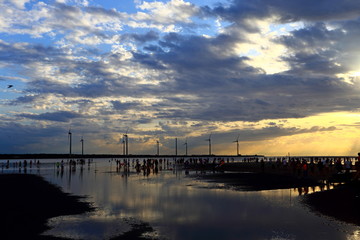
180 207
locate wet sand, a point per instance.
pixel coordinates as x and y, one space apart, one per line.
342 203
257 181
138 229
28 201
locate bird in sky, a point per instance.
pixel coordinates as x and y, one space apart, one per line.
10 86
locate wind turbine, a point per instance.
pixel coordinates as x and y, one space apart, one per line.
126 142
158 147
209 139
70 138
123 143
186 147
82 145
175 146
237 145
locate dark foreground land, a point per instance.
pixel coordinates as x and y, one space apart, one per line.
342 203
28 201
258 181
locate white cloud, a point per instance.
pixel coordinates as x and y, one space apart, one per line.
174 11
261 49
19 3
21 21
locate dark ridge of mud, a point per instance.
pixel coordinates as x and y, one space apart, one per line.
28 201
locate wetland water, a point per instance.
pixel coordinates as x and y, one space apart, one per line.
174 204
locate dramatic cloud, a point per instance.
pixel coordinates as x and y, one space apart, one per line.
166 69
288 11
62 116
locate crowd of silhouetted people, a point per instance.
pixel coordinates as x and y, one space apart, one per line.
21 164
147 166
322 167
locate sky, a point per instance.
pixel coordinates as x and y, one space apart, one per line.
280 76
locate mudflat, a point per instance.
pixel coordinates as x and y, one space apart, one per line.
342 202
28 201
257 181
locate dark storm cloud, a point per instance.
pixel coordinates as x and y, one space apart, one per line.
198 62
18 138
26 53
321 59
149 61
197 52
61 116
221 107
24 100
276 96
227 88
123 106
275 131
287 11
141 38
153 48
98 11
316 49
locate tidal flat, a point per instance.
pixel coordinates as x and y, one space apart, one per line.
170 203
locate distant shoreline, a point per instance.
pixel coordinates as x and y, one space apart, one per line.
64 156
60 155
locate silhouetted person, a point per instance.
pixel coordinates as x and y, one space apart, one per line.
338 165
357 167
262 165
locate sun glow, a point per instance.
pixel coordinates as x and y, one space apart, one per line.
323 134
349 77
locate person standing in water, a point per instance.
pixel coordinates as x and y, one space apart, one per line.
357 167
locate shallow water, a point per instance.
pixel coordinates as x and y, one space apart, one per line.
172 204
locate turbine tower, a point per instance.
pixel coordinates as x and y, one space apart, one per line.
157 147
82 145
175 146
123 143
126 143
209 139
186 147
237 145
70 143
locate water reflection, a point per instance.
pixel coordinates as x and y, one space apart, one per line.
308 190
179 207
